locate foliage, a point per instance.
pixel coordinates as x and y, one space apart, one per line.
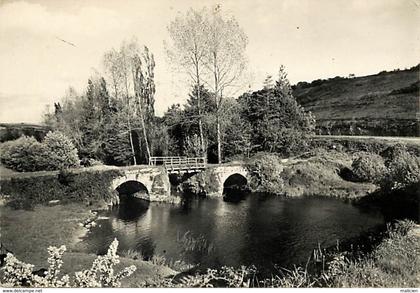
279 124
59 151
223 277
183 124
394 263
101 274
354 145
26 154
82 186
403 169
297 277
265 170
369 168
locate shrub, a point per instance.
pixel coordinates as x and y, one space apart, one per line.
24 154
60 151
265 170
67 186
101 274
403 170
369 168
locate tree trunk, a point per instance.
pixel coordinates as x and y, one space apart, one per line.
200 123
130 133
219 140
131 142
146 141
200 127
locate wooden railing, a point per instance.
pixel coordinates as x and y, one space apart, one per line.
161 160
179 164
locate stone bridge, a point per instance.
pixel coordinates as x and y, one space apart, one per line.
157 187
220 174
154 180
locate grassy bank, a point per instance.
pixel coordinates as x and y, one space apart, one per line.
28 234
393 262
321 174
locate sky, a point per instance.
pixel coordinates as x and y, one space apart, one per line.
48 45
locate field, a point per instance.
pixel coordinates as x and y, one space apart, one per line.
386 103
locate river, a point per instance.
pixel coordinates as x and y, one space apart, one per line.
257 229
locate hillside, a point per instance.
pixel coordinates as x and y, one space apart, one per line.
386 103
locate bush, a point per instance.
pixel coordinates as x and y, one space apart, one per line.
74 186
265 170
369 168
60 151
403 170
26 154
101 274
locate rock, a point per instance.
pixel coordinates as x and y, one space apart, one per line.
102 218
54 202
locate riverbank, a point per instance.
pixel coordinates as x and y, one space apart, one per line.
393 263
28 234
321 174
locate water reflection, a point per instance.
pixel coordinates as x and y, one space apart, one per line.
257 229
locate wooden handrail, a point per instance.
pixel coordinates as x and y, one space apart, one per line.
179 163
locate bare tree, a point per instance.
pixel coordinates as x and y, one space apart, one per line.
112 63
225 61
188 47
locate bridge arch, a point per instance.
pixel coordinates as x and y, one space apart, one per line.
133 188
235 180
227 175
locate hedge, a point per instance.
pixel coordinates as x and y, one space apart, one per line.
67 186
352 145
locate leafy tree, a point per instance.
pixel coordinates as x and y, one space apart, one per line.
237 132
173 120
279 123
131 73
59 151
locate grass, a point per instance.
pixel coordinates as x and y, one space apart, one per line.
368 100
394 263
319 174
28 234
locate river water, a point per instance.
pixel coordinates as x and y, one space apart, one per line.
258 229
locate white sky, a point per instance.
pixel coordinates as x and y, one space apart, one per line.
313 39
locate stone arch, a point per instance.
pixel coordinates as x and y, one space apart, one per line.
235 179
144 179
222 173
133 188
155 180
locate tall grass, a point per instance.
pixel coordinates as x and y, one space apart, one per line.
190 243
394 262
